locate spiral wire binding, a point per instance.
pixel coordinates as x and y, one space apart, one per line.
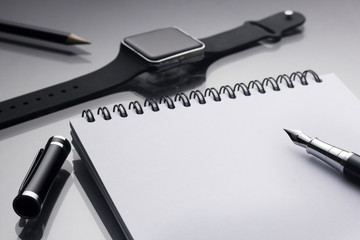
197 94
121 109
89 115
105 112
243 87
168 101
229 90
214 93
182 97
232 92
152 102
137 106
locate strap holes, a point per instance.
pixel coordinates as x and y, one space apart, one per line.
25 103
63 91
38 99
75 87
51 95
12 107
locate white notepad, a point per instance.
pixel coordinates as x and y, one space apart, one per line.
226 169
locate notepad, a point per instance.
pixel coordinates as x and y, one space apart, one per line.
218 165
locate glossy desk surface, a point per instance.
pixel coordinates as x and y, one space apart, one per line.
329 43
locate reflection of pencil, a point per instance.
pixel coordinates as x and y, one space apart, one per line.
41 33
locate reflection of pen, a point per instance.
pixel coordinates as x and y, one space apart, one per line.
346 162
40 33
37 183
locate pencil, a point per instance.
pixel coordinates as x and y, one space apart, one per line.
41 33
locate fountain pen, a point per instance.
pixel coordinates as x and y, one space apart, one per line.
348 163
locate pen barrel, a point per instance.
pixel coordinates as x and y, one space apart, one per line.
29 201
352 168
52 160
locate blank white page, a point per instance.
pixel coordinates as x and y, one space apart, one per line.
227 170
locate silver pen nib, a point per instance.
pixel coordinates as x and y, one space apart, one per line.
298 137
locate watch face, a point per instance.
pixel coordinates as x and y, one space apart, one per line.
164 46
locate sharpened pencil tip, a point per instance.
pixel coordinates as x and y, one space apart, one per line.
74 39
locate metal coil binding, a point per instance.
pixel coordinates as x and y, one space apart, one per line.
89 115
152 102
168 101
197 94
259 85
243 87
274 84
229 90
121 109
105 113
136 105
214 93
185 100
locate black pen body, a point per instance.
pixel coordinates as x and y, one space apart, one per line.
348 163
352 168
48 168
30 199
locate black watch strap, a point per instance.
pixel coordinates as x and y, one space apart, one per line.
272 29
54 98
114 76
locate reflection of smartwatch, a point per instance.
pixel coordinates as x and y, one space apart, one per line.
168 48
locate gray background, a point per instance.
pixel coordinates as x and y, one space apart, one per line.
329 43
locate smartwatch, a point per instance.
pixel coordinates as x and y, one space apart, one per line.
168 50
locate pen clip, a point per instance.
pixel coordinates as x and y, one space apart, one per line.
32 170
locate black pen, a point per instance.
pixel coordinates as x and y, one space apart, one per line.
345 162
41 33
36 185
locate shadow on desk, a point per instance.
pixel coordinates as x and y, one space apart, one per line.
98 201
38 227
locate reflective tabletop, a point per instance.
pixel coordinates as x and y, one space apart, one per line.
329 42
